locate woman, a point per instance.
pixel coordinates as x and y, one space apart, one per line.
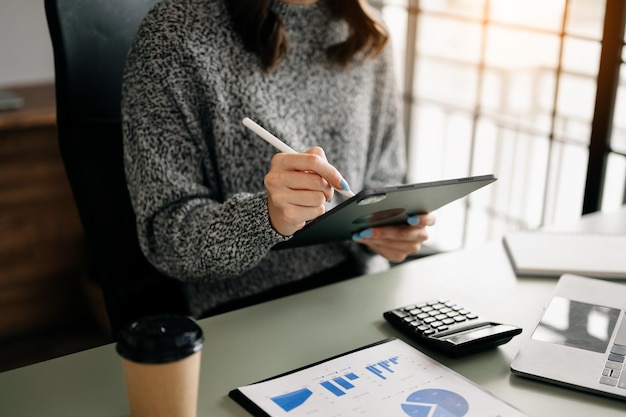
212 199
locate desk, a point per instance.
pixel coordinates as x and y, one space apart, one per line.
251 344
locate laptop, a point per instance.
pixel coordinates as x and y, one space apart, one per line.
580 338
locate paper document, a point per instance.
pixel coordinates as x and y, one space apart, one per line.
553 254
390 379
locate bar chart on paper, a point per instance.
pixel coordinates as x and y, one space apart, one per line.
390 379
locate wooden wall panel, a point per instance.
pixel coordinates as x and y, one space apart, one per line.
42 259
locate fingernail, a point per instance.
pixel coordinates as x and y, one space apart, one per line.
413 220
362 234
344 185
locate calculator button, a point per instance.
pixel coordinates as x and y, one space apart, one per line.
398 313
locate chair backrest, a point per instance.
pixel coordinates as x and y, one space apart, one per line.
90 40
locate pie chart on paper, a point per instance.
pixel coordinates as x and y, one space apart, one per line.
435 403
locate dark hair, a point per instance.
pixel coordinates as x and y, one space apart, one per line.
263 32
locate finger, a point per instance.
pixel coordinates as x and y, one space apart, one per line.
298 215
316 150
313 160
306 198
299 181
393 253
394 233
421 220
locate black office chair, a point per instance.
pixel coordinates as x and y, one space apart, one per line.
90 40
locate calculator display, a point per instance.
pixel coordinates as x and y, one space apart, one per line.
578 325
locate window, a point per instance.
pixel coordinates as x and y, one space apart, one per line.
511 87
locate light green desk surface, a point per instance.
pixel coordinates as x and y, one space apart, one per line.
261 341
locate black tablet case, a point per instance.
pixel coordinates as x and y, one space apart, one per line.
384 206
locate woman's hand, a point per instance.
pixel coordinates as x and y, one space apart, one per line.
297 186
397 242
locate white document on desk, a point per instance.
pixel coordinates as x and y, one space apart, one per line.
390 379
552 254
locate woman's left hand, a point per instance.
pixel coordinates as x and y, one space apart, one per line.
397 242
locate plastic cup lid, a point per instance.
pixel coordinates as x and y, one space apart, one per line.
160 339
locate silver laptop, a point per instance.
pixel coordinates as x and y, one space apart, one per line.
580 339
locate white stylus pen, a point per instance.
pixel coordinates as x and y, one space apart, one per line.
283 147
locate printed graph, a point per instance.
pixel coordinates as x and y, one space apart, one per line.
390 379
337 386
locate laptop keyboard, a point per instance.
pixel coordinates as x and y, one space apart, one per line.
614 373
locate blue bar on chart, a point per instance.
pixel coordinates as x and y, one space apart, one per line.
352 376
332 388
341 382
385 365
291 400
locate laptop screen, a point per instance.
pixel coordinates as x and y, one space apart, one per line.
578 325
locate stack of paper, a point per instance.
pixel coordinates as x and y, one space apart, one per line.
552 254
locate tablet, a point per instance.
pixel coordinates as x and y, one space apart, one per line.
382 207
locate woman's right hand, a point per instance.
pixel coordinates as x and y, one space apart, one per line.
297 186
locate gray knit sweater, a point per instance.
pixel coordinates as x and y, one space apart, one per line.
195 174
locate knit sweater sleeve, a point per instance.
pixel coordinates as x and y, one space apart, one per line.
186 227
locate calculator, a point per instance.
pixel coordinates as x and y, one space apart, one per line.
449 327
